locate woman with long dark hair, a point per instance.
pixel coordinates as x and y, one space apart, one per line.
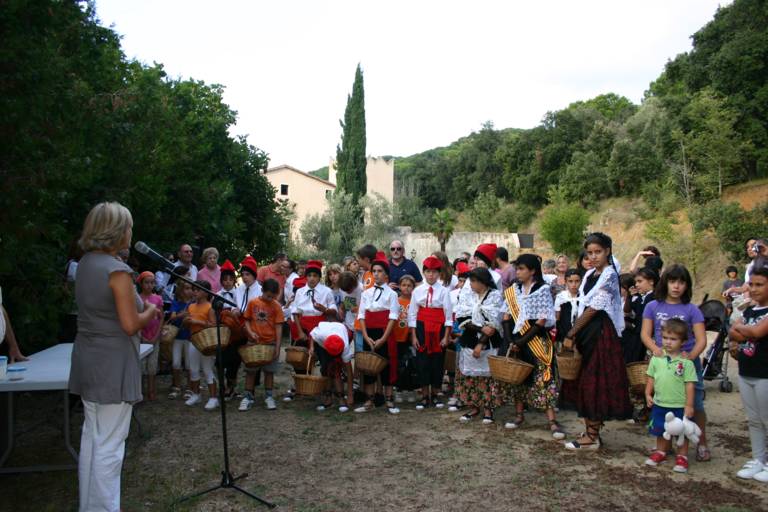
603 385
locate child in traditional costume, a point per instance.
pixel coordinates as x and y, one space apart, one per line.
311 305
463 312
330 341
379 310
528 315
399 346
603 383
480 338
429 318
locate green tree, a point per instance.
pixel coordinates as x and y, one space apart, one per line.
563 225
351 159
443 223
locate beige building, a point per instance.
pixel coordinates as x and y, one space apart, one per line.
307 193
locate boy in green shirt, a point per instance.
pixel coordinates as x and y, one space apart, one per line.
670 388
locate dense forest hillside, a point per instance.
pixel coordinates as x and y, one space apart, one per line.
703 125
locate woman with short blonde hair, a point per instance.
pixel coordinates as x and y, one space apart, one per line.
106 370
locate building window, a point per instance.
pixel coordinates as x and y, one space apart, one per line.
328 193
283 189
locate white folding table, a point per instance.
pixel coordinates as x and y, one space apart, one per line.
47 370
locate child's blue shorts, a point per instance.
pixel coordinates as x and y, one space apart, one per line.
656 423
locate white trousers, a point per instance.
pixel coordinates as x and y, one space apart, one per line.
180 350
195 360
102 447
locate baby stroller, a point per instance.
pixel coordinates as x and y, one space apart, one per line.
716 358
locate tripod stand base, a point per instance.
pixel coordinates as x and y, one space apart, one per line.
228 482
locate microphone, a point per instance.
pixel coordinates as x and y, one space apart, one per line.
156 257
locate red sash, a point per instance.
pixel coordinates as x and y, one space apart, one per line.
377 319
433 320
310 322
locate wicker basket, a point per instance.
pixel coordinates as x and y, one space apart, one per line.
298 357
569 364
510 370
450 361
168 334
370 363
256 355
636 373
205 340
310 385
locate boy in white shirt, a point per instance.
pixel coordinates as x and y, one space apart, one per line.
330 341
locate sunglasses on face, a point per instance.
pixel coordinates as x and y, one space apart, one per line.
395 249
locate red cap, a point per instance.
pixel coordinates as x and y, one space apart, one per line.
486 252
432 263
462 268
381 260
144 275
299 282
250 264
227 266
334 345
314 266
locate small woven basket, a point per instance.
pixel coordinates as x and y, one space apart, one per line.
205 340
569 364
636 373
510 370
256 355
236 329
168 334
370 363
310 385
298 357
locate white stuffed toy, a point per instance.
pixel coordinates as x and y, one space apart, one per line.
674 426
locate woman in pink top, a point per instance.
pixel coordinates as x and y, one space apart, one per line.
211 271
151 332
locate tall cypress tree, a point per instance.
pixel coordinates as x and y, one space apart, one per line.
350 155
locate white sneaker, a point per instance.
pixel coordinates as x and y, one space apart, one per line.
394 410
193 399
187 394
453 408
320 408
420 407
288 397
750 469
246 403
211 404
271 405
343 408
761 476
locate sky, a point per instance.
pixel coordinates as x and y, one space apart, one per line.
434 71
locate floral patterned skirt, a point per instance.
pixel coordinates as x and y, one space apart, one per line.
540 394
477 392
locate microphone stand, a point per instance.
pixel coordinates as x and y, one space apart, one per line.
227 480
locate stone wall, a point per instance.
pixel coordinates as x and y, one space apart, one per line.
425 243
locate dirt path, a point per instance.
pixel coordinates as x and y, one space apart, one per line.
418 461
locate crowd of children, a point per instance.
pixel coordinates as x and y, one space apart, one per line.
478 305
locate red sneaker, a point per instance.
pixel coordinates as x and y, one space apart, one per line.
681 464
656 458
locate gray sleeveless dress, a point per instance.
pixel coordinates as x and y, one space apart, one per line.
105 361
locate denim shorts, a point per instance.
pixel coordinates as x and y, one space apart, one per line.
656 422
358 341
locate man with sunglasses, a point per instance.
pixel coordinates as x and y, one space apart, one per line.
399 265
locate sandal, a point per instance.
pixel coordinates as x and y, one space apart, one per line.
557 430
469 416
592 433
703 454
487 420
367 406
516 423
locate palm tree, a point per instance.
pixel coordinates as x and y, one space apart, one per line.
442 226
